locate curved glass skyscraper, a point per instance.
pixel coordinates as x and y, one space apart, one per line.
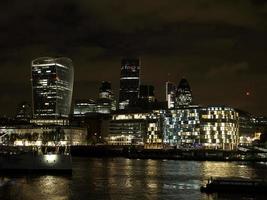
184 94
52 86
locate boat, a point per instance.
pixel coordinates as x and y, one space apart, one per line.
35 160
235 185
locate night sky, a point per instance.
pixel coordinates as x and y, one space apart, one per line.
219 46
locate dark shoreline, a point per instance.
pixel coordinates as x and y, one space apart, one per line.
138 152
133 152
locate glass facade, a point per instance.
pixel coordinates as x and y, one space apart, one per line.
83 107
134 128
129 82
183 95
52 86
106 102
214 127
202 127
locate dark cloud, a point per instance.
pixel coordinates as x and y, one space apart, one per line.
228 70
220 46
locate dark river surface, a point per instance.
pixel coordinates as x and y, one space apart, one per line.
121 178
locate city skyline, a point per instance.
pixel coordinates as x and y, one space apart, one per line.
143 99
159 97
219 47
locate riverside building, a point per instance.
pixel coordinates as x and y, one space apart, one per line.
213 127
135 128
30 135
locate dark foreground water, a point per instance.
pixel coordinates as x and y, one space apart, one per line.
120 178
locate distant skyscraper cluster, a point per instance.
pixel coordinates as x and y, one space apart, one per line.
105 104
129 93
52 86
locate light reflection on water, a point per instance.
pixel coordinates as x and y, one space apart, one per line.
36 187
121 178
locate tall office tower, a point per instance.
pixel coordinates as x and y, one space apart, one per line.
184 94
24 111
129 82
106 102
147 93
170 94
52 86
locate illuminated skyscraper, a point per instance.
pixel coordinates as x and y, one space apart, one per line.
183 95
52 86
129 82
170 94
105 91
106 102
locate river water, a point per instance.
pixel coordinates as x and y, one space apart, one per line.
123 179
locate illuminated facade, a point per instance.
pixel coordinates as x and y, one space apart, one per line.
135 128
202 127
154 137
104 106
129 82
49 122
170 94
106 102
83 107
105 91
183 94
214 127
247 128
52 86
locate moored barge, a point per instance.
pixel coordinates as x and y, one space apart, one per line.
234 185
